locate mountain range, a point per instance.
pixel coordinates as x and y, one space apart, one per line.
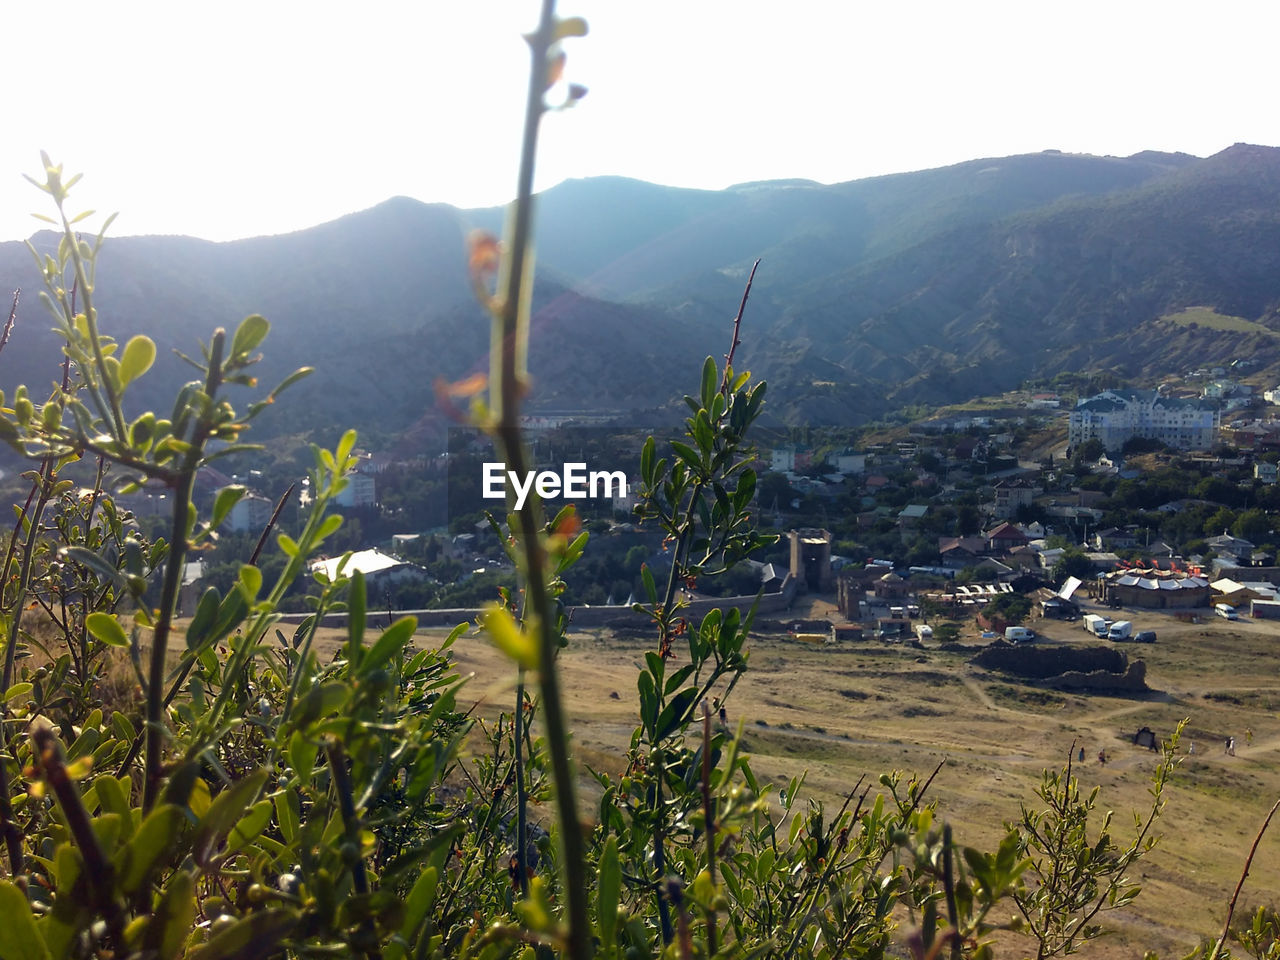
872 295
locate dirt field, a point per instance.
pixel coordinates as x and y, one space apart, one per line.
843 711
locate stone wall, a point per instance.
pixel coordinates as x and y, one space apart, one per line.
1042 662
1067 668
1133 680
616 616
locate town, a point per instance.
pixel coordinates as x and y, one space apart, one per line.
1161 498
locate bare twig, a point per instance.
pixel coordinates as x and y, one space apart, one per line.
1231 907
737 325
98 873
13 314
271 524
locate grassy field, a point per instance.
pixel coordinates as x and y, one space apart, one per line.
1207 317
842 712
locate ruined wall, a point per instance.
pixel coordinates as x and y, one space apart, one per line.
1133 680
1041 663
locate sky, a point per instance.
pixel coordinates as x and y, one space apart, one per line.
234 119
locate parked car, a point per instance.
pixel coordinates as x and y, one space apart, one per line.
1226 611
1145 636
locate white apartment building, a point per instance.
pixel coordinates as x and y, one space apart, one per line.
1115 416
361 491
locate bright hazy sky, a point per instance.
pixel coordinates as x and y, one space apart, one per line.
233 119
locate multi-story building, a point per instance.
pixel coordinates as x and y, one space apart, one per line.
1115 416
1011 495
361 491
250 514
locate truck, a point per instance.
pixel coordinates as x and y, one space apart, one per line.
1120 630
1018 634
1095 624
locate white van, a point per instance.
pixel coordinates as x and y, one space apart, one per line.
1017 634
1226 611
1098 626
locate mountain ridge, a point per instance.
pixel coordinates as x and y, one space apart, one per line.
873 294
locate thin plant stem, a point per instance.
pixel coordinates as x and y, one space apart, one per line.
1231 907
172 583
949 885
709 816
13 315
511 332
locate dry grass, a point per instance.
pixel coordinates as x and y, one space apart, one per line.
1210 318
841 712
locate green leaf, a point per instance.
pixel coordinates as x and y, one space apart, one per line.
139 354
122 726
703 433
255 937
251 332
607 889
291 379
646 462
745 490
97 564
329 526
302 756
202 622
224 813
287 814
171 923
106 628
114 798
389 644
673 714
677 678
231 612
151 843
227 498
320 701
708 382
648 701
19 938
650 588
250 582
517 644
17 690
250 825
345 445
687 454
417 905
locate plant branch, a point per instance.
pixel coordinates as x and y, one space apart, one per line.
1231 907
737 325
